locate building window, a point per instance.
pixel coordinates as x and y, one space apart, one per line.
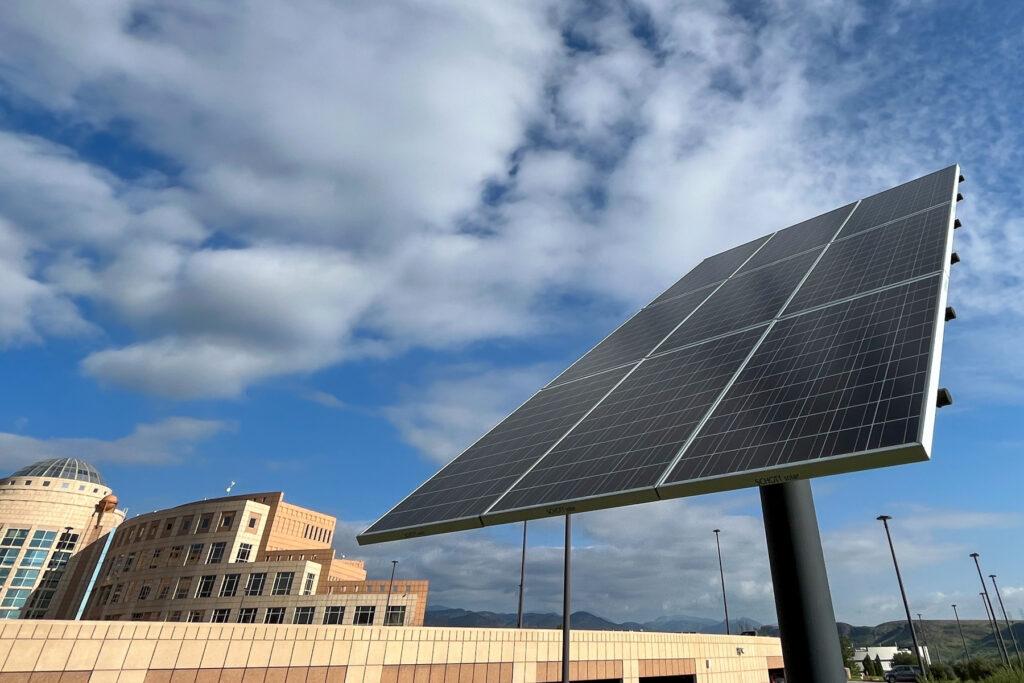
67 541
204 521
253 521
24 578
145 591
185 526
115 597
174 616
14 537
175 552
226 521
230 585
364 614
8 556
254 584
307 587
34 558
274 615
244 552
194 552
283 583
221 616
395 615
15 597
216 555
42 539
204 589
165 590
59 559
182 590
334 614
303 615
247 615
4 573
195 615
154 561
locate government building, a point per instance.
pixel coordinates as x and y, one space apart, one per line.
67 552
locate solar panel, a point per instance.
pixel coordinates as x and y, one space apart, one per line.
712 269
923 193
456 496
636 337
625 444
809 351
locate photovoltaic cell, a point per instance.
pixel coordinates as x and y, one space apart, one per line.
713 386
743 301
633 435
838 380
636 338
798 238
712 269
916 195
468 485
905 249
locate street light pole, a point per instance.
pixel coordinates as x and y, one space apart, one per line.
884 519
721 573
1000 645
924 641
1006 618
522 580
387 603
960 628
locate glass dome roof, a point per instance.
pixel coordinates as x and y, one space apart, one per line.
62 468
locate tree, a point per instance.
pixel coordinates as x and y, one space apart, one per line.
904 658
878 666
868 665
848 657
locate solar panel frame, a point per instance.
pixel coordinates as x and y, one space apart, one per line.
911 452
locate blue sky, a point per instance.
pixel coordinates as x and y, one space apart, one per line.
323 247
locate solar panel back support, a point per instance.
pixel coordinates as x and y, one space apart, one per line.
916 451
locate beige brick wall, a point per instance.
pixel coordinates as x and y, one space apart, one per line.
104 652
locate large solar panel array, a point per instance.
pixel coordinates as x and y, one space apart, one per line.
809 351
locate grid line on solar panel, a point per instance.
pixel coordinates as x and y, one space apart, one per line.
838 380
743 301
928 191
631 437
904 250
468 485
799 238
711 270
635 338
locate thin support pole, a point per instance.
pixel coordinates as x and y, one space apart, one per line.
387 602
1000 645
967 653
1006 618
721 573
991 622
566 597
924 641
903 593
810 640
522 580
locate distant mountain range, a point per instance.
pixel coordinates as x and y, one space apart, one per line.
449 616
941 636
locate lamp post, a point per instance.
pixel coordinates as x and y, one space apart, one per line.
1006 618
721 573
924 641
1000 645
960 628
884 519
387 602
522 580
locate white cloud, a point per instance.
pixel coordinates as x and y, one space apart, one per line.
167 440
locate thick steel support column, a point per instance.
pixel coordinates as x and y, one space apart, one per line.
522 581
566 598
810 642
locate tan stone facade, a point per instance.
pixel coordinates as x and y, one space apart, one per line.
244 559
101 652
45 521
